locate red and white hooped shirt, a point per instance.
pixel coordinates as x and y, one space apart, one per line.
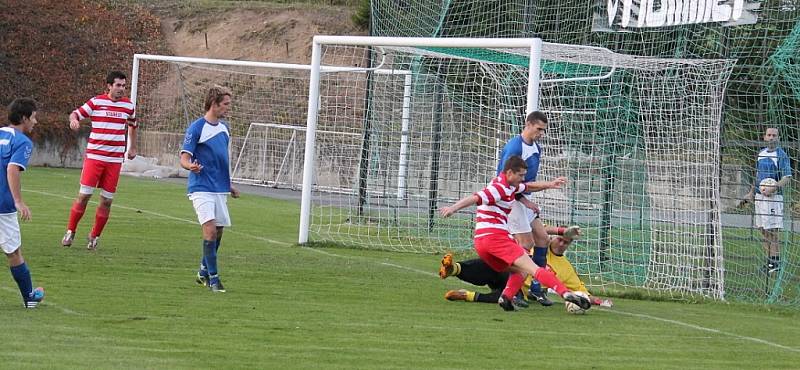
494 205
110 120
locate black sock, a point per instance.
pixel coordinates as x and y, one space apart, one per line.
477 272
488 297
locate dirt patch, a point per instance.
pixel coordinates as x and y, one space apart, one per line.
279 34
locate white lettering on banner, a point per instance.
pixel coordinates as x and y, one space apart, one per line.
662 13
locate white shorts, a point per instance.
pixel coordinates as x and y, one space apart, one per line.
769 211
211 206
520 218
10 237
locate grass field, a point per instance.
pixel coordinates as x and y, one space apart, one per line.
133 303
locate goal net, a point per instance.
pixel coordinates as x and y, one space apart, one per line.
267 120
637 137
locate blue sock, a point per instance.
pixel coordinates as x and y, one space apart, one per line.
22 276
540 256
203 269
210 256
536 288
203 264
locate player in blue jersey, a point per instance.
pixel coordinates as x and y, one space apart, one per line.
15 151
205 155
524 222
771 163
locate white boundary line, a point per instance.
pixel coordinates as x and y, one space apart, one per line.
616 311
702 328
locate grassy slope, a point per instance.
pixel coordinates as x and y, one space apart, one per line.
133 303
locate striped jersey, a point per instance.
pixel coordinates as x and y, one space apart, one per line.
494 205
109 123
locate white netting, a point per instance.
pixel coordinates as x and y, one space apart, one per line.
640 147
171 95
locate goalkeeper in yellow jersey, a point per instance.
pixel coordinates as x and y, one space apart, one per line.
478 273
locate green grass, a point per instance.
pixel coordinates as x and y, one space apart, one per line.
133 303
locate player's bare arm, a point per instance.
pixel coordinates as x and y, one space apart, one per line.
545 185
15 186
571 232
467 201
188 164
132 130
74 122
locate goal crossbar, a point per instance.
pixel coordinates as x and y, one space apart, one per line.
241 63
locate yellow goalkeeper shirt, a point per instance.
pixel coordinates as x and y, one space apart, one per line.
564 271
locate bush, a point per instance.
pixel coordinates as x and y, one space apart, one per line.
59 52
361 17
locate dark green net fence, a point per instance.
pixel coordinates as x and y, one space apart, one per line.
763 91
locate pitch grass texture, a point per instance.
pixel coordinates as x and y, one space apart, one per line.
133 303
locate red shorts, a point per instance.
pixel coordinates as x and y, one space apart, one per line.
99 174
498 251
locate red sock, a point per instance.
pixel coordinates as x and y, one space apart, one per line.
75 214
548 278
513 284
100 219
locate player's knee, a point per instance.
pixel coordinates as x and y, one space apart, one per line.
210 230
15 257
106 202
83 199
540 237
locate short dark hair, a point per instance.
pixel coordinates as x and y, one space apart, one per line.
536 116
515 163
215 95
113 75
21 108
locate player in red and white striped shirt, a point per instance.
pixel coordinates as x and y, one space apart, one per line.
111 114
494 242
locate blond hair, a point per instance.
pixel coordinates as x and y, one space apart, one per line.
216 94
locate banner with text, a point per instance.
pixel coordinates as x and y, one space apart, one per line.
629 15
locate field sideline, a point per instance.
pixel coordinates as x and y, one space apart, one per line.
133 303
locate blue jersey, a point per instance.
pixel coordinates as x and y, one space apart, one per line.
530 153
207 143
772 164
16 149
